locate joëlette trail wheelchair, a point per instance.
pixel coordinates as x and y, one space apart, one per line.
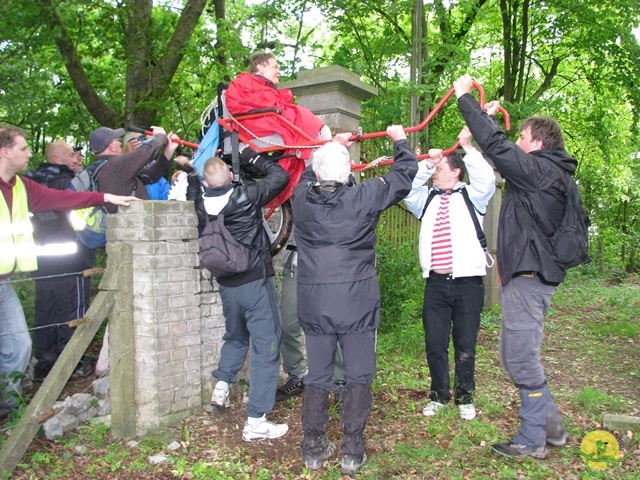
225 135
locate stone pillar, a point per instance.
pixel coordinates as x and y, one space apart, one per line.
334 94
171 323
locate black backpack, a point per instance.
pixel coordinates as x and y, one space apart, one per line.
569 245
222 254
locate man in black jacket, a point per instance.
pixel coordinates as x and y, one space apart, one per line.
62 292
249 299
338 290
538 170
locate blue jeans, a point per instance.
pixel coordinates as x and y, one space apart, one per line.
452 307
252 312
15 341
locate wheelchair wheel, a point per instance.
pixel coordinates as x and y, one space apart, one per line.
278 223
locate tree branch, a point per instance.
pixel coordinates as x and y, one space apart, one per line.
100 110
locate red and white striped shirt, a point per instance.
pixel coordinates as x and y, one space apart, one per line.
441 251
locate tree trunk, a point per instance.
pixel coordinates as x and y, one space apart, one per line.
148 73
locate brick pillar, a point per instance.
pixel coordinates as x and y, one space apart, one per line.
334 94
167 331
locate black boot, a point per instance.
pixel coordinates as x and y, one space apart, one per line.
356 407
316 447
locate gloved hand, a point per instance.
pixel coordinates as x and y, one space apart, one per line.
248 156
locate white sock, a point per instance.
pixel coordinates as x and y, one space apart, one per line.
254 422
224 386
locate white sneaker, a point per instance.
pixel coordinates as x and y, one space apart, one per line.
263 430
220 396
467 412
431 408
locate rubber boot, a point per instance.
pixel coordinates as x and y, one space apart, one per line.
356 407
316 447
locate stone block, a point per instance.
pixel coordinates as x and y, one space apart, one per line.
144 248
90 413
145 263
621 423
166 343
143 289
78 403
100 387
145 277
174 368
157 459
179 405
104 407
145 303
146 396
177 328
163 329
187 341
146 382
68 421
147 344
145 317
53 428
192 365
179 354
179 275
178 302
164 357
146 330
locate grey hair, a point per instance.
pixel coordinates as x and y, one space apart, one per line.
331 162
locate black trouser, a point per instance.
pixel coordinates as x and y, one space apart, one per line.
452 306
57 300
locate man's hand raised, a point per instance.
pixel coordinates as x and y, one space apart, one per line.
396 132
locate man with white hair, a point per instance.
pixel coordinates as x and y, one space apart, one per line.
338 290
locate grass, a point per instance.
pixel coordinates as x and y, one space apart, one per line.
591 355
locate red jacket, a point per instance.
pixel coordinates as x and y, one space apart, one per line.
251 92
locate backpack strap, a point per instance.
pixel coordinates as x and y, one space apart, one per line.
476 223
472 211
432 194
235 157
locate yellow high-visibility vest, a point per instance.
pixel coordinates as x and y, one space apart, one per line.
17 247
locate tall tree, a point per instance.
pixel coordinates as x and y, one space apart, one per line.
149 66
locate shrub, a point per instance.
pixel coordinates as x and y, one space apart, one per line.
401 286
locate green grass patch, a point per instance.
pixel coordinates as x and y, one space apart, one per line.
596 401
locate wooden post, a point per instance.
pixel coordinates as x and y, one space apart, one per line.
121 352
50 390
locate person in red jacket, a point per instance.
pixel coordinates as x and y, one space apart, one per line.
258 90
18 250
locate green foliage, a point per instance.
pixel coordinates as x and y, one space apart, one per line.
401 286
491 319
8 391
